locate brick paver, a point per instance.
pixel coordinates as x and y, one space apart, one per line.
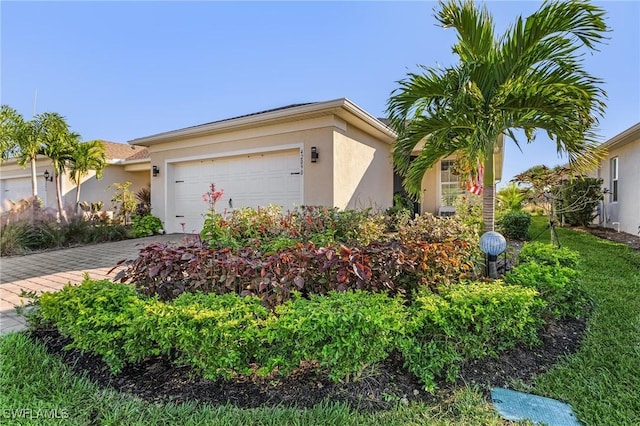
50 271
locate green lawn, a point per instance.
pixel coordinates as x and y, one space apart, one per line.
601 381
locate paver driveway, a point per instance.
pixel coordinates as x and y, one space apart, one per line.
50 271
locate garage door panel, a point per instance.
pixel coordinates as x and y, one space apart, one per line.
247 181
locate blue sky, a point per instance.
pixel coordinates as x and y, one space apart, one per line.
121 70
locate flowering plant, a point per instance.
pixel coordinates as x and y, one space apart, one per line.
215 230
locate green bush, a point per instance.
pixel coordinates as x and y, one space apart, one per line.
558 286
579 199
145 225
467 321
546 254
101 317
217 334
515 225
343 331
438 229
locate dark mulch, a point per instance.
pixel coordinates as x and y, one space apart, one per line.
380 387
610 234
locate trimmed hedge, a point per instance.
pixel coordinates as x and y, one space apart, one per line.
467 321
344 332
552 272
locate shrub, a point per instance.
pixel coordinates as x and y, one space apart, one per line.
14 238
169 270
145 225
343 331
469 211
558 286
143 197
101 317
218 335
124 201
515 225
438 229
76 230
546 254
467 321
401 212
579 198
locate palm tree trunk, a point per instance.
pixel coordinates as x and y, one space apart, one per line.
488 194
77 193
34 177
61 213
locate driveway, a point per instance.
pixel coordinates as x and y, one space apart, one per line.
50 271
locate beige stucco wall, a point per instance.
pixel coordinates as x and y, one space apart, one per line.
626 211
92 190
363 170
353 168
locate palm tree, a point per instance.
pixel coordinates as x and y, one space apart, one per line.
530 78
22 139
11 122
58 143
85 157
512 197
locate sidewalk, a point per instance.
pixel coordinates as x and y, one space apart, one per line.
50 271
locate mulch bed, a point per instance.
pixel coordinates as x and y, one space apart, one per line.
610 234
380 387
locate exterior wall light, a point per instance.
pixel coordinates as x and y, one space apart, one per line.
314 154
156 171
492 244
47 176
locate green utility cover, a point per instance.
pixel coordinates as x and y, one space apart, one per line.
512 405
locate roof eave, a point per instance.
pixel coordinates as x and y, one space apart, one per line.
273 117
629 135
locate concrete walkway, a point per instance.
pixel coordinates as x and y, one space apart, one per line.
50 271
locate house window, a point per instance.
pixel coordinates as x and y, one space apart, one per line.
614 179
450 187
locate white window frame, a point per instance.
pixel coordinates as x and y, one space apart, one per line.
614 164
443 205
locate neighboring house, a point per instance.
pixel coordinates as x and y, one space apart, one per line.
620 172
125 163
329 153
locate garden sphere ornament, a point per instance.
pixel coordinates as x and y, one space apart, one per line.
492 244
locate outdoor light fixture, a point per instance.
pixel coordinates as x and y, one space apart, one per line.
492 244
314 154
156 171
47 176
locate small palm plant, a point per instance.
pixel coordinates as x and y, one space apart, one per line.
511 198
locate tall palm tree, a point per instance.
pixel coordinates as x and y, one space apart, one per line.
11 123
531 77
58 144
22 139
85 157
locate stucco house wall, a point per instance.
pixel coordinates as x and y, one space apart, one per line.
624 213
15 181
353 169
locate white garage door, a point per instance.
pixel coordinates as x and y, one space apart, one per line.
247 181
16 189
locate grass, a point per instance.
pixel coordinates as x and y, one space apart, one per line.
34 381
601 381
